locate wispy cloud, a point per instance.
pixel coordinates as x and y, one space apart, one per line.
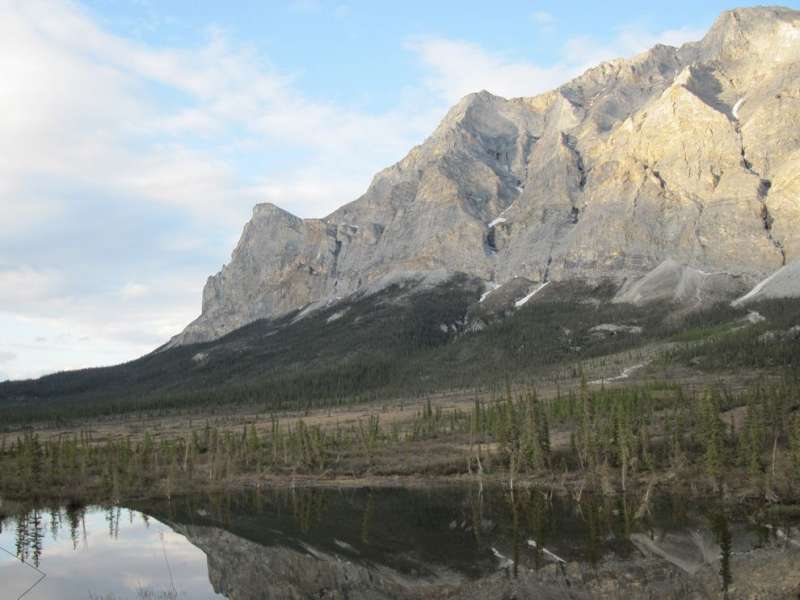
52 54
585 52
544 20
23 286
458 67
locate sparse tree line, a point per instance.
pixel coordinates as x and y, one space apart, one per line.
616 436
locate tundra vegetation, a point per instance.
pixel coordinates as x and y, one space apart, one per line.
610 440
526 412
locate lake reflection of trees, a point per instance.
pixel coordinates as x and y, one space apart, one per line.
469 528
722 532
32 525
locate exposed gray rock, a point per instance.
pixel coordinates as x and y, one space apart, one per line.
682 285
790 335
784 283
688 154
767 337
610 329
754 317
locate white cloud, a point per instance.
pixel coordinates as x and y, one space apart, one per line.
543 19
131 291
70 331
635 39
586 52
458 68
20 287
51 54
309 188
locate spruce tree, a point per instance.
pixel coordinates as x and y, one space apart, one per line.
713 433
795 448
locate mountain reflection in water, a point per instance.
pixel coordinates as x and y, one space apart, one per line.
353 543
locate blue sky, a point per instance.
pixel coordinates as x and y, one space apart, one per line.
137 135
357 52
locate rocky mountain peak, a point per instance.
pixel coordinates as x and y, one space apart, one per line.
267 209
743 34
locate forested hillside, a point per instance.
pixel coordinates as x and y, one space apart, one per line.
409 340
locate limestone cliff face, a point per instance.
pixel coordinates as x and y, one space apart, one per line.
688 154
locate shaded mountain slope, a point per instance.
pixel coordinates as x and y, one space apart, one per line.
404 340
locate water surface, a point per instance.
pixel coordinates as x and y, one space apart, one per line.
98 553
309 542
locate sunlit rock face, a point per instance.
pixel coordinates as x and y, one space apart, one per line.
687 154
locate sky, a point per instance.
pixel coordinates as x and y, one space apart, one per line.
137 135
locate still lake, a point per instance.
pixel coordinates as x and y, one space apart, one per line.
357 542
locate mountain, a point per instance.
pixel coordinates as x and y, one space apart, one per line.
686 155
